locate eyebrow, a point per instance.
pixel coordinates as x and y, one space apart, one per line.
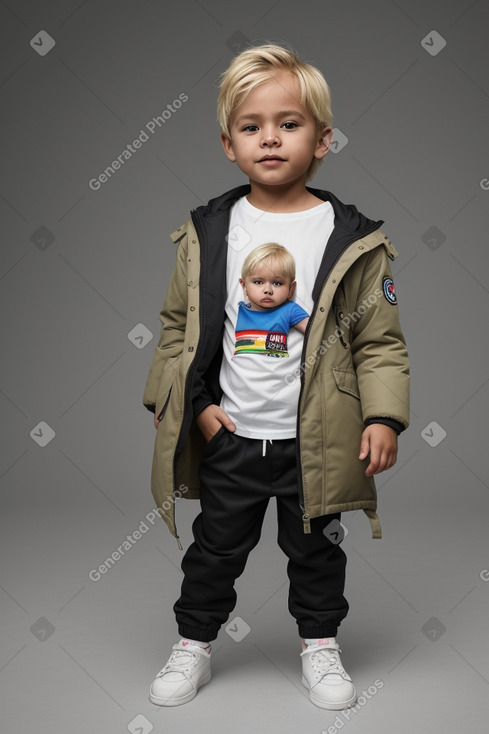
257 115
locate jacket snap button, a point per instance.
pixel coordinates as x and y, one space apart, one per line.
334 280
189 283
361 247
321 308
192 308
190 349
194 241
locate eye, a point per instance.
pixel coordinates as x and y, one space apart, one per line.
247 128
277 283
293 124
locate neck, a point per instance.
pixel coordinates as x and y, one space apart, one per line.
283 198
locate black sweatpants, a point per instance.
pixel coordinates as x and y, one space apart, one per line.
237 481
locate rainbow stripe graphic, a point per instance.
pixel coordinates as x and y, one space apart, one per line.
254 341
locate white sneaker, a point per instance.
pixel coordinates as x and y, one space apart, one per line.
330 686
188 668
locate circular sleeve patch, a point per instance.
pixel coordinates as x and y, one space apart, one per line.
389 290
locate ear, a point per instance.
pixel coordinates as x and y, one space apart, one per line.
228 147
242 284
292 289
324 143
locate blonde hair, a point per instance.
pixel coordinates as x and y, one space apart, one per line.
270 254
258 64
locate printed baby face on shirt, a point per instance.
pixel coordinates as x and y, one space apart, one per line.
266 289
263 323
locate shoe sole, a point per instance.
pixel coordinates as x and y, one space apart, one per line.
333 705
180 701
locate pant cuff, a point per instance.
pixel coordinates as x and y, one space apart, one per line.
203 634
313 632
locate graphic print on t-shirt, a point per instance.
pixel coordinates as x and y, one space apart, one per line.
249 380
265 332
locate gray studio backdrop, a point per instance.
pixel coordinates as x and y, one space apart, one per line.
85 261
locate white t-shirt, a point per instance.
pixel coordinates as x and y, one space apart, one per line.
256 394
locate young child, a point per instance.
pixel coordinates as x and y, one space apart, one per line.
268 282
342 394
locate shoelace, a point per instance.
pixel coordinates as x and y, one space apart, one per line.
177 661
327 661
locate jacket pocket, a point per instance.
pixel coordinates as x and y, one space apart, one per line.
346 381
165 386
342 479
339 314
165 405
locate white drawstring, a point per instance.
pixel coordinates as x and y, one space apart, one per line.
264 449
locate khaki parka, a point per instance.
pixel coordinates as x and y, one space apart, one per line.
354 366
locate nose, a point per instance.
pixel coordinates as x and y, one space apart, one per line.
268 288
270 137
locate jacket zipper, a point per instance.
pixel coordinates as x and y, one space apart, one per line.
306 520
305 515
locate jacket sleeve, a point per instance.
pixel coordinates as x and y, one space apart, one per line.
396 425
173 317
378 347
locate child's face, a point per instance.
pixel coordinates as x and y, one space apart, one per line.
273 137
267 289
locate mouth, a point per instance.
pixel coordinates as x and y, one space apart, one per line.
270 158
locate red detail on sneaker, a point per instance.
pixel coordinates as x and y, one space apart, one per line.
324 641
184 644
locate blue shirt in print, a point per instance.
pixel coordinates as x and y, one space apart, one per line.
265 332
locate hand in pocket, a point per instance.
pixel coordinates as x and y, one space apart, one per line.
211 419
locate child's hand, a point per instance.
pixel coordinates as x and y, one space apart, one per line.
211 419
380 441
